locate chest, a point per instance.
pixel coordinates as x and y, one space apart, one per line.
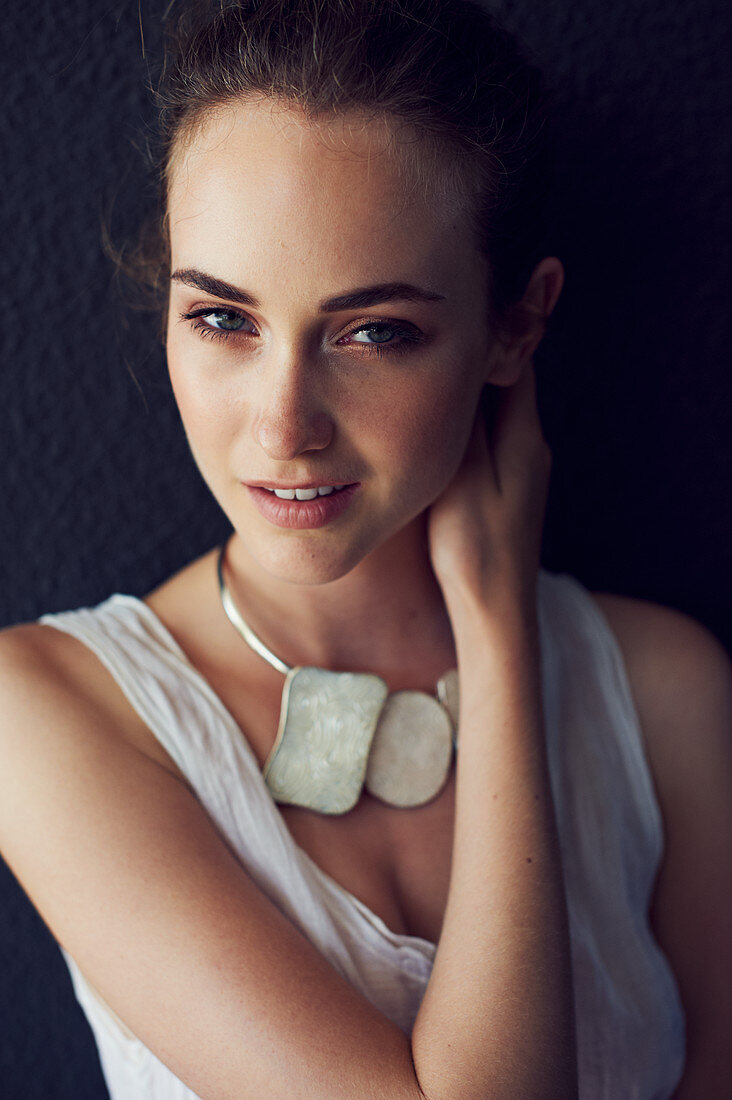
397 862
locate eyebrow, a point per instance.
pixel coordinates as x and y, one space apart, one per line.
359 298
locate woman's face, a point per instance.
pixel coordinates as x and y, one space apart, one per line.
298 355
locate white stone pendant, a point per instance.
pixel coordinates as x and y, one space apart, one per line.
411 754
327 723
341 731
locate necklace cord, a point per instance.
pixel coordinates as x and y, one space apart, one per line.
242 627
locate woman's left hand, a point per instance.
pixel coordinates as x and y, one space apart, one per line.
485 530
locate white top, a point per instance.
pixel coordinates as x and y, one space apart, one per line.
630 1025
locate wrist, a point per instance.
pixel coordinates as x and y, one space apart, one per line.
504 633
509 603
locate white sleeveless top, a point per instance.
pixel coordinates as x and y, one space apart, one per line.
630 1025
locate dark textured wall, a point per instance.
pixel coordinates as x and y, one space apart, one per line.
99 493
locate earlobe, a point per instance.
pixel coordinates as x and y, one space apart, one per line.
505 372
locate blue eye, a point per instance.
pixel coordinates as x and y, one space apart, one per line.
381 337
226 319
382 332
216 322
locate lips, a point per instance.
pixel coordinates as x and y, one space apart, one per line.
282 507
306 493
299 484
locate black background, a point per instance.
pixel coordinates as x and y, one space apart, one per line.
99 492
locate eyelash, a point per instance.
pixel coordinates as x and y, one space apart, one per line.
408 338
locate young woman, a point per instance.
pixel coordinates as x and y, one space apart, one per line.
237 803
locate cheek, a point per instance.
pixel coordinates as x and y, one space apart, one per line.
423 430
204 398
210 420
439 447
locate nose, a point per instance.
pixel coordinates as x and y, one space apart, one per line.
292 418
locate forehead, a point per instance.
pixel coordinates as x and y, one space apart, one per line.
259 183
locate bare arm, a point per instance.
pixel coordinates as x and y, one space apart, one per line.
135 882
501 990
133 879
501 987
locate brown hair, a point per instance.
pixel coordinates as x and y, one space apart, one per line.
441 69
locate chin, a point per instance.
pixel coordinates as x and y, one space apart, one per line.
306 562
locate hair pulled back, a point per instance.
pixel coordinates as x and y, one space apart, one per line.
441 68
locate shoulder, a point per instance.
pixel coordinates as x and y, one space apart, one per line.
681 680
680 677
53 688
46 672
655 639
55 724
34 656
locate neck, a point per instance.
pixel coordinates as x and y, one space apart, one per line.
387 615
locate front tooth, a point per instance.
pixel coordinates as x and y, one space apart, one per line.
325 490
285 494
306 494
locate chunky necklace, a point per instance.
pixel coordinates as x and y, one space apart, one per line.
342 731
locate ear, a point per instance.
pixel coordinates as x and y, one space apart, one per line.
514 350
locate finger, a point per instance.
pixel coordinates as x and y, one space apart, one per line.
517 438
478 456
518 411
476 444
